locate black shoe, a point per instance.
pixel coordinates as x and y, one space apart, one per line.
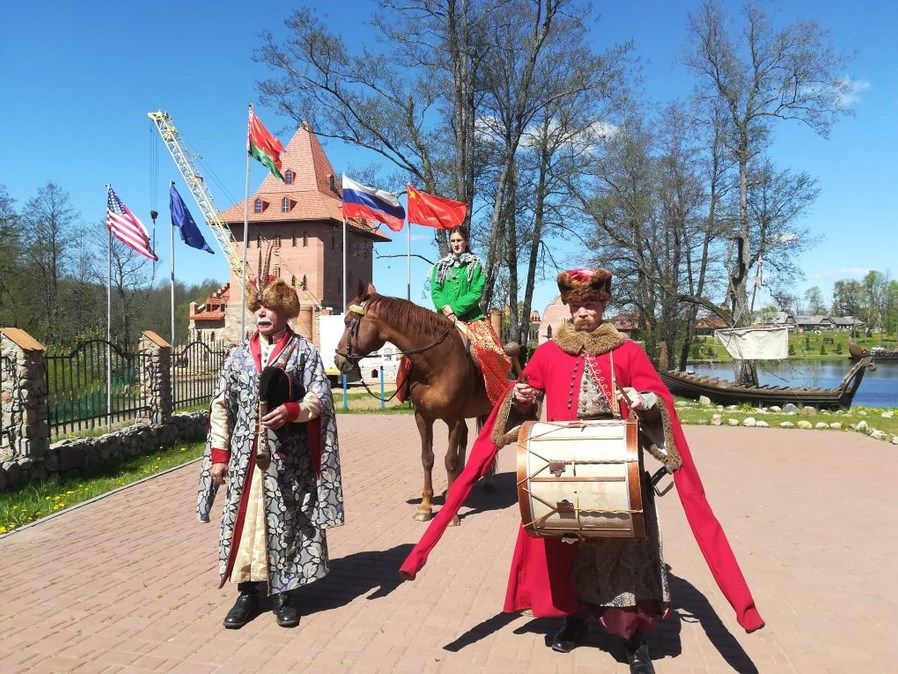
243 611
570 635
284 610
638 655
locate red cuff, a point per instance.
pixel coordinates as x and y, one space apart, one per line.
292 411
220 455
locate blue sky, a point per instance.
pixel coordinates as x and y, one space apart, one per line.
78 79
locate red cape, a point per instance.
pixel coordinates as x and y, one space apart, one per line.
540 577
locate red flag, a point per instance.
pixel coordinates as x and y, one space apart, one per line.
261 145
432 211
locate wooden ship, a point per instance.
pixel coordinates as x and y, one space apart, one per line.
724 392
856 352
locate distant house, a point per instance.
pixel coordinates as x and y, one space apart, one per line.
708 324
804 322
625 323
847 323
814 322
781 318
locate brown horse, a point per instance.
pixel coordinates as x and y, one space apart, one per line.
443 383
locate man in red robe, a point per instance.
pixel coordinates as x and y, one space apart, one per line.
591 371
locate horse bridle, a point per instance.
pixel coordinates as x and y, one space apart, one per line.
358 311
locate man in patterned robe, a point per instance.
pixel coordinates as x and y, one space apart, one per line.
591 371
276 509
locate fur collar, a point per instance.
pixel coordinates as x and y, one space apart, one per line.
601 340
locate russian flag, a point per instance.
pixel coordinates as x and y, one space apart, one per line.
361 201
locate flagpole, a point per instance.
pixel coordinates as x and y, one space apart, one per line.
245 236
109 331
172 277
344 265
408 261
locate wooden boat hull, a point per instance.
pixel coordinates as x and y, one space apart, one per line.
856 352
727 393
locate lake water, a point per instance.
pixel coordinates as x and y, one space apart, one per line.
878 389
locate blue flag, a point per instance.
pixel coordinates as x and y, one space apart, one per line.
180 217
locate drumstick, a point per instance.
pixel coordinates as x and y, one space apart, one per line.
513 351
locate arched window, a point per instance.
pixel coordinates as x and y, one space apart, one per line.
293 280
305 240
294 238
258 240
289 176
257 205
305 283
549 332
277 272
374 374
285 204
212 336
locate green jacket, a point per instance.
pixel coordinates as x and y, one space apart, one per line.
460 294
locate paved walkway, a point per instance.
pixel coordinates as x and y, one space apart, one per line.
128 582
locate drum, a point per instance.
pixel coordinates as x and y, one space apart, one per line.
580 479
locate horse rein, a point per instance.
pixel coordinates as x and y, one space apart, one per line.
359 311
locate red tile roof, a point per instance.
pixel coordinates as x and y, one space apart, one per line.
213 308
208 316
315 194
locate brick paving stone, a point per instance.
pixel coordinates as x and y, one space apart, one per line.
128 582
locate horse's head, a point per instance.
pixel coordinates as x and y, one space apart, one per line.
361 336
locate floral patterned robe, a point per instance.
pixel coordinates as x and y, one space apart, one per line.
302 485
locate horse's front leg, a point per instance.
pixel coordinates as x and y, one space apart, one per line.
425 430
455 456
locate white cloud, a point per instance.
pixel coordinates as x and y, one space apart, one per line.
839 274
850 90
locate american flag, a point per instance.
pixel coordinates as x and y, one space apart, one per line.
126 227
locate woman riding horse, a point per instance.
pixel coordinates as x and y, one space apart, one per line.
443 382
456 287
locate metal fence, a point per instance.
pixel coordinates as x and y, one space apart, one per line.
195 371
7 386
78 398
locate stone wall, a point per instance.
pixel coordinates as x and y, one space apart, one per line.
72 455
25 449
25 436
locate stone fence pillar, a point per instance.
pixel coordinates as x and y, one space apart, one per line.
155 375
25 438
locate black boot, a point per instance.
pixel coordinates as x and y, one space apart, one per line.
285 610
570 635
638 655
244 608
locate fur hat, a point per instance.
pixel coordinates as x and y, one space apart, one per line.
274 293
584 286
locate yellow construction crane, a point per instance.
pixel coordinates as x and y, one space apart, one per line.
197 186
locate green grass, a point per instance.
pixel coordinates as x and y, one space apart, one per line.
35 500
829 344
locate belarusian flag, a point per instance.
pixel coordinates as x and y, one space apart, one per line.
263 146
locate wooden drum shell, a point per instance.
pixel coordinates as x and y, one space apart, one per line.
580 479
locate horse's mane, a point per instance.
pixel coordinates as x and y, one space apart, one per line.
407 317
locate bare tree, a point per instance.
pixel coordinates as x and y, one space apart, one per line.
50 231
762 75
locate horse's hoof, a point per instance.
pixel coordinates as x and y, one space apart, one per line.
423 515
455 521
